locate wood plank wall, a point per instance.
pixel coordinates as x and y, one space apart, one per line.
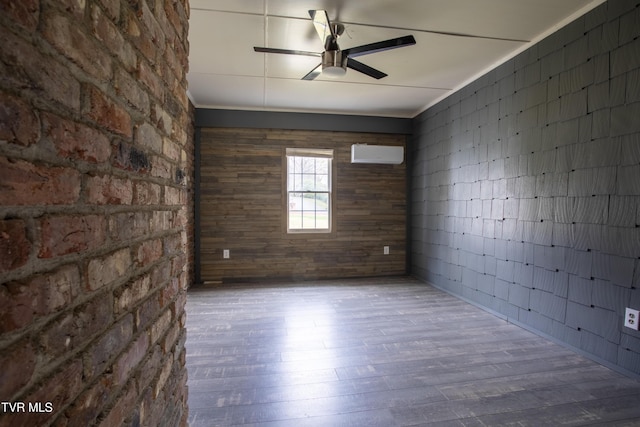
242 209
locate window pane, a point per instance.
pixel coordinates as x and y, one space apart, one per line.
322 166
322 183
295 210
322 210
308 186
308 214
308 183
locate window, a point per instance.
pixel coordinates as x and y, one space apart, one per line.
309 190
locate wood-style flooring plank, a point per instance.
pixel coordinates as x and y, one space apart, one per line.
383 352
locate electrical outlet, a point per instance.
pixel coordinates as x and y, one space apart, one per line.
385 250
226 254
631 318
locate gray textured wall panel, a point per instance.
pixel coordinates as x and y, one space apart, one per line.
543 279
616 269
628 359
629 179
633 85
613 298
630 342
625 58
519 296
548 304
601 347
538 175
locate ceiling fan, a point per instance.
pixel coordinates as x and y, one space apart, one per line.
335 61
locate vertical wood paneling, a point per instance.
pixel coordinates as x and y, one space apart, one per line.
242 209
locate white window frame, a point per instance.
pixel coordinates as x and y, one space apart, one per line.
293 188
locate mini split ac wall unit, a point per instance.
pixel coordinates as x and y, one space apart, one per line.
377 154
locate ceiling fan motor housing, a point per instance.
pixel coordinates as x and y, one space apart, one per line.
334 64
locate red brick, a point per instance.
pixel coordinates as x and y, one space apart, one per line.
183 100
128 88
57 338
112 342
122 408
176 15
181 219
148 252
146 136
106 270
112 8
109 190
130 359
146 313
148 76
107 113
161 220
141 39
161 168
161 119
93 317
94 70
75 8
72 41
152 30
172 56
171 83
24 12
161 272
181 137
172 150
38 296
129 157
126 226
173 196
18 122
59 389
178 265
63 235
16 311
89 404
179 304
14 244
128 296
41 73
18 365
164 375
168 293
173 244
108 33
74 330
160 326
146 193
168 341
150 367
24 183
75 140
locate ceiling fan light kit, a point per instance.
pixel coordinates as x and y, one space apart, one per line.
335 61
334 64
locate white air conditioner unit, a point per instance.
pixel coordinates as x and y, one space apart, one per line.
379 154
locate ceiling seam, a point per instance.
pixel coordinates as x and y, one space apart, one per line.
264 56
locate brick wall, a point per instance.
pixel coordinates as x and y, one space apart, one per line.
526 194
96 147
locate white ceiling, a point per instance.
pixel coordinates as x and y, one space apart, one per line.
225 72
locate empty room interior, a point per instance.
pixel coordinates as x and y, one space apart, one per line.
319 213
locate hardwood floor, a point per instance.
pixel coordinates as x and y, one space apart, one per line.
383 352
